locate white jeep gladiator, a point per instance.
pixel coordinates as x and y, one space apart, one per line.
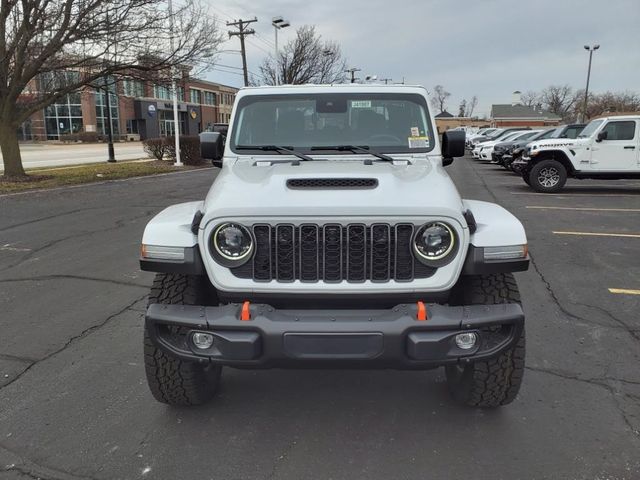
608 148
333 237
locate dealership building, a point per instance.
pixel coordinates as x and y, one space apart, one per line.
139 110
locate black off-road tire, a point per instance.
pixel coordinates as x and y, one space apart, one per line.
547 176
494 382
172 380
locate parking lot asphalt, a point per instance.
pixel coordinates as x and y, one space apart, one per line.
74 403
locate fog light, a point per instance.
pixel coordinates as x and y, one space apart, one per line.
466 341
201 340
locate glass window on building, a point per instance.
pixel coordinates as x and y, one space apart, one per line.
132 88
63 117
101 113
209 98
180 92
162 92
195 96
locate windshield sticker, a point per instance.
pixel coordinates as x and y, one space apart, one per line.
418 142
415 132
360 103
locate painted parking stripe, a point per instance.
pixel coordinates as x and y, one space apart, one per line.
624 291
595 234
569 195
585 209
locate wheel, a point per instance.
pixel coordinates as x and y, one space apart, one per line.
494 382
547 176
172 380
525 177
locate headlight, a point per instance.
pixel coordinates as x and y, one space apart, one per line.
232 244
435 243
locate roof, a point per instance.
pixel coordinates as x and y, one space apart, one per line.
444 114
520 112
341 87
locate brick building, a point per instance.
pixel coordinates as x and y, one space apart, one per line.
139 110
516 114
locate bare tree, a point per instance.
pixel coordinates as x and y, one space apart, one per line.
471 106
462 109
609 102
439 98
50 48
530 98
559 99
305 59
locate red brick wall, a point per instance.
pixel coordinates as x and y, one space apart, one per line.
525 123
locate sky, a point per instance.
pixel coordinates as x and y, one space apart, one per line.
488 48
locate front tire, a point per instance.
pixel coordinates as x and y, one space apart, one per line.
172 380
547 176
494 382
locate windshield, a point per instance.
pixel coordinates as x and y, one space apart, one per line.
525 136
495 134
387 122
590 128
545 134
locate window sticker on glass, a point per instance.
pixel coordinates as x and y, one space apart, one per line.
419 142
360 103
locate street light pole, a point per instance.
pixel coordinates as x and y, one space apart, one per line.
174 91
591 49
278 23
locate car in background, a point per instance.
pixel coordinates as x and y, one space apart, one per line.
479 133
499 137
501 148
486 148
518 146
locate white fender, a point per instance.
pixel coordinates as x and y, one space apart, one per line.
496 225
172 226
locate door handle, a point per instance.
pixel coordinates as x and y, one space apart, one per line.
629 147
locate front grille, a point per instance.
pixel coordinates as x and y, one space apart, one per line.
332 183
332 253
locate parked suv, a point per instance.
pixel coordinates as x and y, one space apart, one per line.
333 237
607 148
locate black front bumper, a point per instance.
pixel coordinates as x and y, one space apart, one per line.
390 338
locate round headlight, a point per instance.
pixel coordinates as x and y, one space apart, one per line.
232 242
434 241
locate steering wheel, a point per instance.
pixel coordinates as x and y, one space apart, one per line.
385 135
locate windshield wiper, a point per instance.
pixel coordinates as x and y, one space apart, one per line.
275 148
355 149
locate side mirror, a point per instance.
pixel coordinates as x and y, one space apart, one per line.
212 147
452 146
602 136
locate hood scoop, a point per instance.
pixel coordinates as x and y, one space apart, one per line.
331 183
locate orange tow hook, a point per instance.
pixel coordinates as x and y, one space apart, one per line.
422 312
245 313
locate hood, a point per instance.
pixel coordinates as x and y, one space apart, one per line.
245 189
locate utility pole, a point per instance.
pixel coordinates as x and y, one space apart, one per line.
242 32
586 90
386 80
108 126
352 72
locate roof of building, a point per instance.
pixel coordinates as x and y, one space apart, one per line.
519 111
444 114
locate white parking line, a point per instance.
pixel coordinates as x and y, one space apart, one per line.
569 195
595 234
585 209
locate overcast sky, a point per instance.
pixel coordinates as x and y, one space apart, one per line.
486 48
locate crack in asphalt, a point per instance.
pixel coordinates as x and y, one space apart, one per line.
39 278
600 382
38 471
635 333
118 224
50 217
84 333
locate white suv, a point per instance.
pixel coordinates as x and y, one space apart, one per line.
334 238
607 148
